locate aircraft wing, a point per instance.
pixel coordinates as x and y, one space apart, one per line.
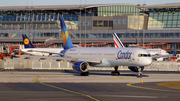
74 60
160 56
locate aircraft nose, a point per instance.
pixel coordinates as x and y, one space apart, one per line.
147 61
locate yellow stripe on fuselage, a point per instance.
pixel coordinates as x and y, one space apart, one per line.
65 37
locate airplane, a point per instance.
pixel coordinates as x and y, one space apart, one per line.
84 57
30 49
153 52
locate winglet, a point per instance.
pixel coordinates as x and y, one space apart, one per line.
117 41
174 53
27 42
65 35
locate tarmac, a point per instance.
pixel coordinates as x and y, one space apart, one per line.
65 85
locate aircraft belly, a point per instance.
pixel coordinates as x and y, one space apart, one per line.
123 63
112 63
105 63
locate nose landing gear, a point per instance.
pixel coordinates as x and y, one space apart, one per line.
140 69
115 72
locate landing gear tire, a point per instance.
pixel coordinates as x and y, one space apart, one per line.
113 73
84 73
139 75
140 69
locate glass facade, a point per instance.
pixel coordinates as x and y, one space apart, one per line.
43 15
164 18
117 10
70 16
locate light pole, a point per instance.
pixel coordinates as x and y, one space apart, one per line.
138 24
80 23
85 23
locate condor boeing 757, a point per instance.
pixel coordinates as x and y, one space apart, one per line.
84 57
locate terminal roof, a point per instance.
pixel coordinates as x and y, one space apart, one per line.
59 7
167 5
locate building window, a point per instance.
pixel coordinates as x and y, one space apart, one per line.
110 23
105 23
135 21
95 23
88 23
124 21
131 21
146 35
115 21
176 35
100 23
119 21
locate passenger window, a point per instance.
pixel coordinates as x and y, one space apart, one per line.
139 55
144 55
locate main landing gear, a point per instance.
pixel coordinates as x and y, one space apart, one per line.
115 72
84 73
139 75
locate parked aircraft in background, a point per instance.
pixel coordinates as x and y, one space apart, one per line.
30 49
153 52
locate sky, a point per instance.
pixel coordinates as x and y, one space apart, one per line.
77 2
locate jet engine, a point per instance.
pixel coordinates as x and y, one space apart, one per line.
135 69
159 59
81 66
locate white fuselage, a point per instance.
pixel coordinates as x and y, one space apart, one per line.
157 52
32 51
112 56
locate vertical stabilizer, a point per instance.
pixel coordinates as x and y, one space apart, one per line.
27 42
65 35
117 41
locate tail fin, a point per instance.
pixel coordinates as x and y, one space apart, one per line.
27 42
174 53
65 35
117 41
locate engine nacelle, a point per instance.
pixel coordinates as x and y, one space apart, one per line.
135 69
81 66
159 59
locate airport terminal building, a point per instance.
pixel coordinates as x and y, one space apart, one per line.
133 23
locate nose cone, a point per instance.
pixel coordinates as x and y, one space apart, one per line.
147 62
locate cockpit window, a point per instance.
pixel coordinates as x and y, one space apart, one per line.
144 55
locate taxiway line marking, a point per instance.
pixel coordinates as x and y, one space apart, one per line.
130 84
35 80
